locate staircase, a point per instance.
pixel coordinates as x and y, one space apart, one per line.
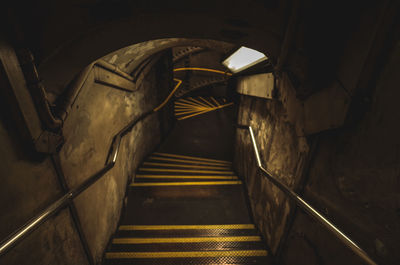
186 210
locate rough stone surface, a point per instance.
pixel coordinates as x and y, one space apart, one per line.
259 85
55 242
28 184
97 115
282 153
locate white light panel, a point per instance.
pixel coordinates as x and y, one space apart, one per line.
243 58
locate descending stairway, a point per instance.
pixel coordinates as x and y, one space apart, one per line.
186 210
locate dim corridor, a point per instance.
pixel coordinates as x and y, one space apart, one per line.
188 209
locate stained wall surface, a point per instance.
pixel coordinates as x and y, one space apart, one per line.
98 114
282 152
352 175
30 181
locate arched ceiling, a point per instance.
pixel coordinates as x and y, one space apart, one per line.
315 38
65 36
128 58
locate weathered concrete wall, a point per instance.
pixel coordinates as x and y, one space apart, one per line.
30 181
55 242
22 180
27 187
354 175
98 114
282 153
355 181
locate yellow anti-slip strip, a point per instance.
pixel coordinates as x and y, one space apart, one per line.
204 111
188 161
183 177
186 171
185 240
186 254
193 158
184 166
180 113
185 227
201 183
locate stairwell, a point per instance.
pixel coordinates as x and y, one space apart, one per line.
188 209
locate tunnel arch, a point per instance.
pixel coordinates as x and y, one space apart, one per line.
128 58
65 57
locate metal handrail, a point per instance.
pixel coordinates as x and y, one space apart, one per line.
52 209
67 198
307 207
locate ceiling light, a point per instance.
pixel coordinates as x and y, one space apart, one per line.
243 58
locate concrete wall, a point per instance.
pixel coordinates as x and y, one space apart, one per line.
29 183
355 180
282 152
99 113
353 174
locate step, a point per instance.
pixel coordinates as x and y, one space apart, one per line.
191 158
189 183
179 170
186 231
191 166
153 158
166 178
148 177
184 244
209 259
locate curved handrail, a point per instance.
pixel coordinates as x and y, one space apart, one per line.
170 95
306 206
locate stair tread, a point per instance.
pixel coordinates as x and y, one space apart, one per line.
187 233
186 246
191 261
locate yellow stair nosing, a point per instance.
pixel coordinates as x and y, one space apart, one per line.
192 157
185 240
184 177
155 157
186 227
146 163
189 183
187 254
223 172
